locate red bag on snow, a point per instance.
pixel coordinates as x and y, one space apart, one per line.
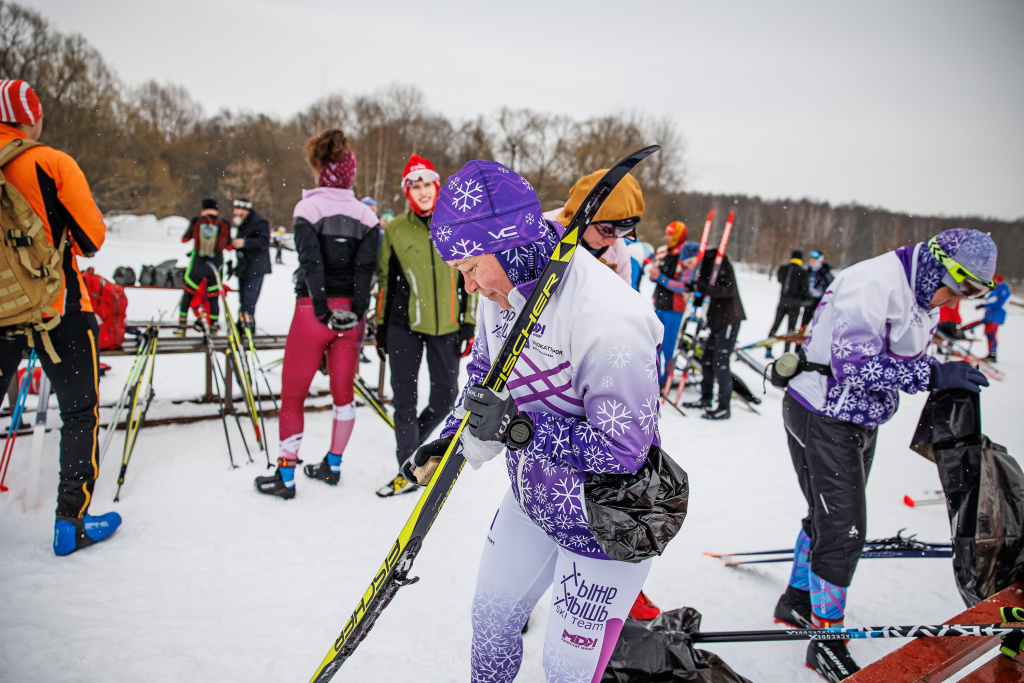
37 376
110 305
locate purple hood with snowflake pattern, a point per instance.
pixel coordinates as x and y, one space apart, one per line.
483 208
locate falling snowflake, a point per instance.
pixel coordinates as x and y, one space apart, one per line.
530 219
607 381
467 195
649 415
443 234
465 248
619 355
566 495
613 417
652 368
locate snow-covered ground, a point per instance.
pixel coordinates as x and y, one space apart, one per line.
208 581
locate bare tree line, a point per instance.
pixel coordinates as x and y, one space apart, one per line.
151 149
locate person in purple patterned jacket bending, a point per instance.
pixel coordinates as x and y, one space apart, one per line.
588 381
866 343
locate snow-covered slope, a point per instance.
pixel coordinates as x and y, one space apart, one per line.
208 581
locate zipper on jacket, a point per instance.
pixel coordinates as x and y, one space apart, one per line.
433 273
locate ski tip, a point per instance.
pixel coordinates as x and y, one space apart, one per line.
712 554
908 501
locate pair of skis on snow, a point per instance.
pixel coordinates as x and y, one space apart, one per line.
897 546
958 349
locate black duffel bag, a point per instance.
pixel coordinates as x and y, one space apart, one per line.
634 516
147 276
124 276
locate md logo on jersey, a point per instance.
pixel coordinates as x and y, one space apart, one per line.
581 642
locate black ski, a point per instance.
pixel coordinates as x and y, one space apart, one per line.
394 573
897 542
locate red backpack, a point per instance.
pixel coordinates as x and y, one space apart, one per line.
110 305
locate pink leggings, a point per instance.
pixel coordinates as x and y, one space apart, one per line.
308 340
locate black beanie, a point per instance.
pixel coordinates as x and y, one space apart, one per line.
209 203
797 254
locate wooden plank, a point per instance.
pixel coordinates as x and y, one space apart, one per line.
930 660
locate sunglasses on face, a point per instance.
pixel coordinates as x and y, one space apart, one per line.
968 284
616 228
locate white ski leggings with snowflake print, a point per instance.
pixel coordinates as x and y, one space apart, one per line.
590 599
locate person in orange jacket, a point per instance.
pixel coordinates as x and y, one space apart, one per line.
57 191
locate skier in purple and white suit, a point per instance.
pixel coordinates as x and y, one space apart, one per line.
589 381
868 340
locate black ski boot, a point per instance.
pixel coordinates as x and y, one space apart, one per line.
831 659
794 608
274 485
717 414
702 404
322 471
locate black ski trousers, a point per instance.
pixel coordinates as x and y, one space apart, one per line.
790 310
808 313
405 352
75 380
202 269
832 459
714 364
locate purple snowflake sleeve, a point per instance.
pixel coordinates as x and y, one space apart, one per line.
620 398
479 364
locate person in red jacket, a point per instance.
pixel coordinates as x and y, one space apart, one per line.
56 189
211 235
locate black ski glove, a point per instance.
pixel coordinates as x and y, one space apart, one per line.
340 320
420 467
466 335
957 375
380 336
489 413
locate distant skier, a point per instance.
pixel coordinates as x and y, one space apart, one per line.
671 268
950 320
793 279
582 386
278 245
336 240
60 199
995 315
252 243
819 277
725 313
866 344
210 235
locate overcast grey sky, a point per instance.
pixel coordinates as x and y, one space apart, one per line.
912 105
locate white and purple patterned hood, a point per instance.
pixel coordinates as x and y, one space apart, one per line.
588 379
872 327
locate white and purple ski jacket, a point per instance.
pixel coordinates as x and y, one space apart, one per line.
589 381
872 327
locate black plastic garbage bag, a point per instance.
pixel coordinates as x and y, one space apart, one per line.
984 489
660 651
634 516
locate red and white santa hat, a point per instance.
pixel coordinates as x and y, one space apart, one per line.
419 168
18 104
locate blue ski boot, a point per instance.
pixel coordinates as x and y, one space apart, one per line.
71 534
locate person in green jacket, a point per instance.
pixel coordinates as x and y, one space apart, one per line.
422 304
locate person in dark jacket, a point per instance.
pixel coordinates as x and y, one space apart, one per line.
819 277
210 234
793 278
252 241
336 240
725 313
